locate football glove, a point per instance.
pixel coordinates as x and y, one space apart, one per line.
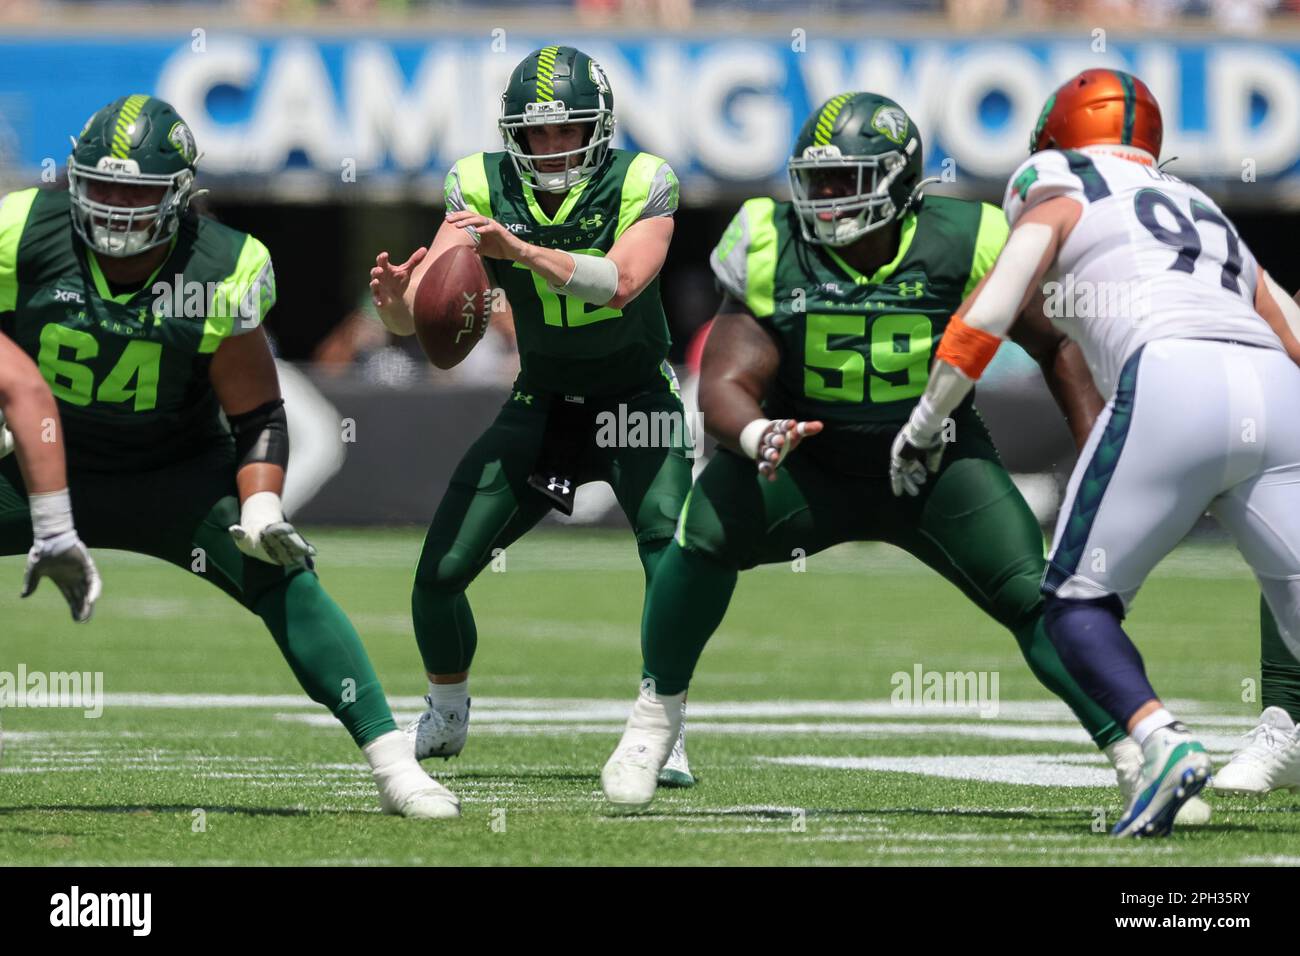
768 442
912 459
263 533
6 438
65 561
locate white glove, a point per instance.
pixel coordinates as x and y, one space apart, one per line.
768 442
65 561
6 438
58 554
263 533
911 459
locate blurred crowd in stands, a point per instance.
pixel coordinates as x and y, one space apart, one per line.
1237 16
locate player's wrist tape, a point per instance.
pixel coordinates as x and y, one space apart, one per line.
751 435
51 513
594 279
260 509
261 435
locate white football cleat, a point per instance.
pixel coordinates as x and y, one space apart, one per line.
404 788
631 773
439 732
1267 760
676 773
1175 769
1126 757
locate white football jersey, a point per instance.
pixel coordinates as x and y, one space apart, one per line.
1151 257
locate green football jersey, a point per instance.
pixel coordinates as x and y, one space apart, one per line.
568 346
856 349
129 370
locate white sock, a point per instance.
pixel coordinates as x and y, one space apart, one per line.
449 696
389 752
1151 722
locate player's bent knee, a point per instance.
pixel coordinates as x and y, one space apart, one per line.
447 573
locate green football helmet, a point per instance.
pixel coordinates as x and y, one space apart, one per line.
140 141
557 84
856 167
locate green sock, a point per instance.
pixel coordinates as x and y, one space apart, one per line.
1279 671
326 655
1051 673
687 600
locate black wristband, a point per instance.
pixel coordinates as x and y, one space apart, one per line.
261 435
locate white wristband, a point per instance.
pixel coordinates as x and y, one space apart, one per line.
751 435
51 513
261 509
594 279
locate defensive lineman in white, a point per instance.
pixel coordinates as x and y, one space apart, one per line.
1195 349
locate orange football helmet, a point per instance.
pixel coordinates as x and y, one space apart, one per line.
1100 106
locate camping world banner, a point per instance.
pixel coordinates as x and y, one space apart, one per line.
380 110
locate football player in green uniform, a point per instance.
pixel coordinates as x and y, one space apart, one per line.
575 233
145 319
820 348
30 426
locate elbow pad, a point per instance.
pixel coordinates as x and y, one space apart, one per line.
594 279
261 435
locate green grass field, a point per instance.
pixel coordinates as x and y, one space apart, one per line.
801 754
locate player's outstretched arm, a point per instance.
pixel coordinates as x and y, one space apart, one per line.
30 414
244 378
739 363
1063 366
1280 311
974 334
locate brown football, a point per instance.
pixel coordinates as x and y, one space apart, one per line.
452 306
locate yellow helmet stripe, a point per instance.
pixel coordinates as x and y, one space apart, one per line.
826 121
546 72
126 116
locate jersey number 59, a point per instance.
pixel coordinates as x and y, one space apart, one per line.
899 343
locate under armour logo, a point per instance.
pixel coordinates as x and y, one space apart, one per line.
911 290
522 397
560 485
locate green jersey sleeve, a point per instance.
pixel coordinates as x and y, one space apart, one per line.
989 240
649 191
241 301
466 186
14 209
744 261
662 198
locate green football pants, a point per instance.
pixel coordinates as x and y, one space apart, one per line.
970 524
489 505
180 514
